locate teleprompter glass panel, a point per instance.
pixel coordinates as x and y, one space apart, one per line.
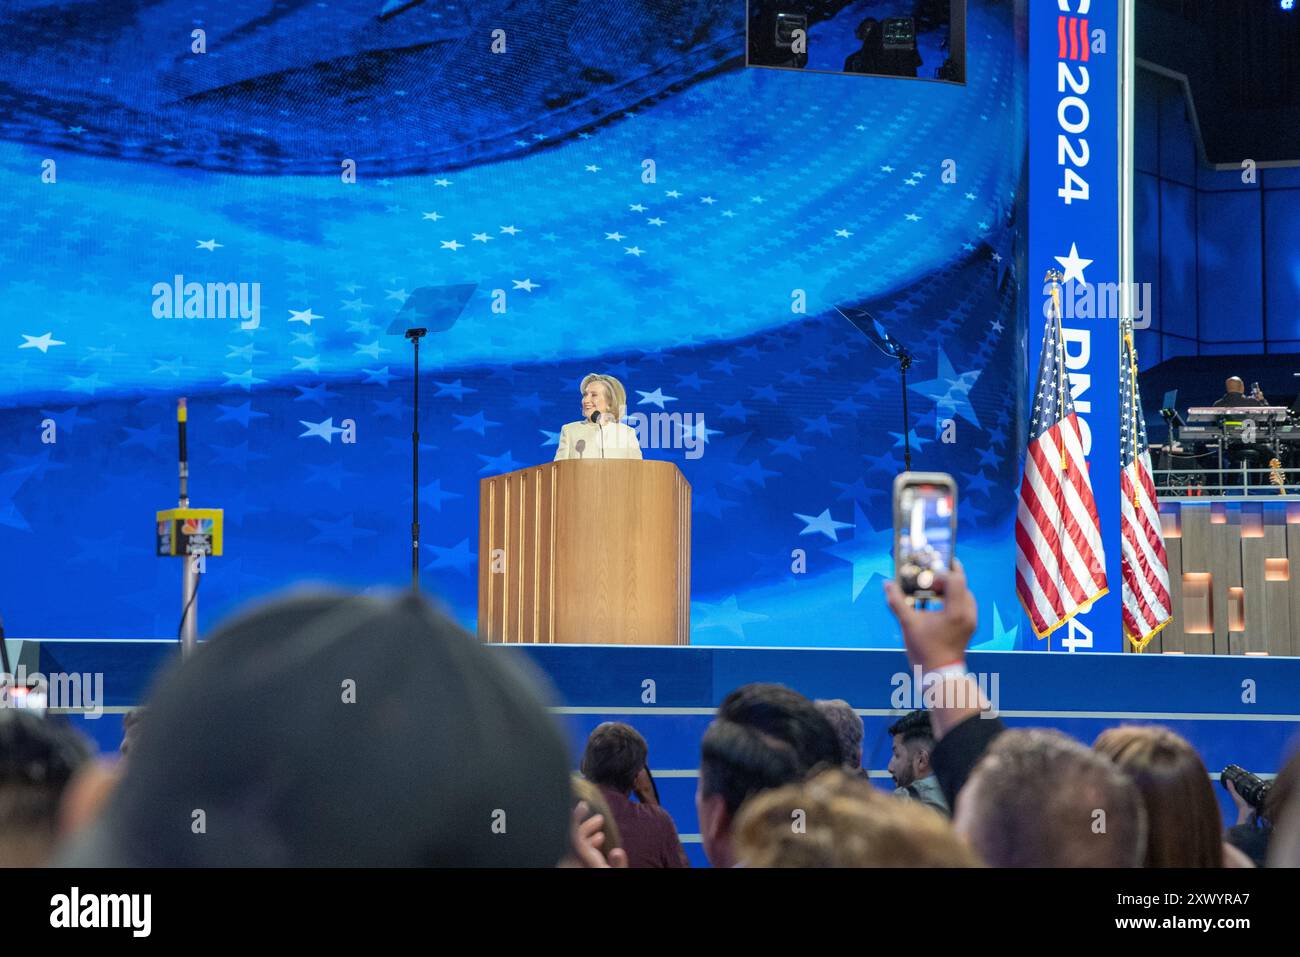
916 39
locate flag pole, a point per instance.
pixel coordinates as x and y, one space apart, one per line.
1054 281
1054 284
1130 356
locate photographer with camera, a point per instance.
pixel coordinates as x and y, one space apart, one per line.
1259 804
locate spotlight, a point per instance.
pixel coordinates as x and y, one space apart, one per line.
1288 4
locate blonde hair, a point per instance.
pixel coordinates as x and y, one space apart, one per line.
584 790
617 396
843 821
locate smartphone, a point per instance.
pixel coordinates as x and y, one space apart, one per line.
925 530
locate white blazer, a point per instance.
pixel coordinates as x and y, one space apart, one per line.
618 440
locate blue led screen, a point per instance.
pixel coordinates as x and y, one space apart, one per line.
637 200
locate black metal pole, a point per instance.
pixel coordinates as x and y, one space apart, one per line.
415 477
415 335
904 361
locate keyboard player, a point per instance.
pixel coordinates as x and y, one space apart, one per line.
1235 395
1238 454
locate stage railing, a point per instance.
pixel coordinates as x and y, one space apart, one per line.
1229 482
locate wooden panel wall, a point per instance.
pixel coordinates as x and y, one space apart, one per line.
1234 566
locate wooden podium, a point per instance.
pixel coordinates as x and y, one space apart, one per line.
585 551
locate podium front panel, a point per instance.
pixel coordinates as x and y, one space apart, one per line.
585 551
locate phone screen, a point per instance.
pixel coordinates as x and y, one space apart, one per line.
924 534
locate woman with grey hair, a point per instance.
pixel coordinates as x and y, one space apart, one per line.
601 433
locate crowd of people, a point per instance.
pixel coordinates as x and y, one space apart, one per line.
360 730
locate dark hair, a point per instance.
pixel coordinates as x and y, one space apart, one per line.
787 715
914 726
38 757
1285 784
847 725
1182 813
1045 800
615 755
737 761
765 735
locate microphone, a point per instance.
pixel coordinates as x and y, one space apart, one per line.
579 445
595 418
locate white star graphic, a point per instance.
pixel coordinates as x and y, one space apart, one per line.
822 523
656 397
1074 264
211 245
452 245
303 315
724 615
527 285
322 430
40 342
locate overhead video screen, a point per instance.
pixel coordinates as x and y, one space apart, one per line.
915 39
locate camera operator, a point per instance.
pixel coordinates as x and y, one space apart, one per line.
1259 806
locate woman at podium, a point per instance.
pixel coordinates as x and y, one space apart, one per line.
600 433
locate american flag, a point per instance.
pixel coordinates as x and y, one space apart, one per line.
1145 567
1060 564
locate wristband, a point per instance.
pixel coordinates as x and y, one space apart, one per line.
956 669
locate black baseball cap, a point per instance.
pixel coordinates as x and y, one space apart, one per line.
328 729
